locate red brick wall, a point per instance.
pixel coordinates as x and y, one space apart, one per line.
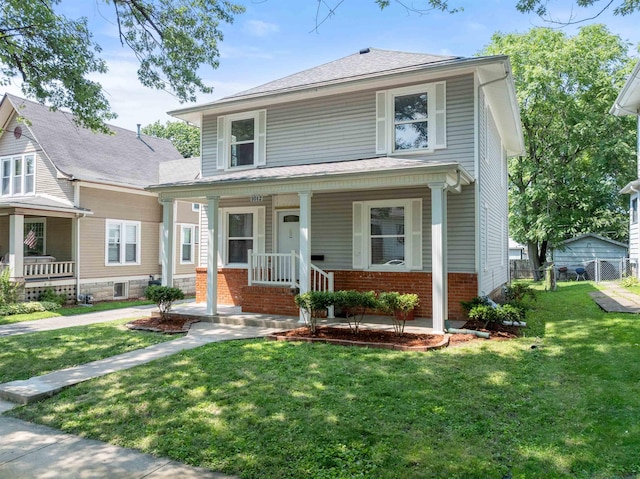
233 289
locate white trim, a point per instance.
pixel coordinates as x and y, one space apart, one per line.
223 238
122 224
192 228
125 290
112 279
276 225
259 139
42 220
120 189
12 160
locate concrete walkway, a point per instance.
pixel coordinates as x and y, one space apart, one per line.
613 298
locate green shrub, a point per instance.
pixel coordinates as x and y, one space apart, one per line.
518 292
163 296
355 304
510 312
398 305
9 290
629 282
472 303
485 314
314 304
26 308
49 295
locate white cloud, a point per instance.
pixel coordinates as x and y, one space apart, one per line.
259 28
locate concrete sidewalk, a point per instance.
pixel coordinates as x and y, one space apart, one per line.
613 298
30 451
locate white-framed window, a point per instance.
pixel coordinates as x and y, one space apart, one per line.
35 236
387 234
242 140
195 207
411 119
122 245
634 210
121 290
188 243
18 175
241 229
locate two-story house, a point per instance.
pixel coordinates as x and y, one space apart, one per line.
382 170
628 103
74 214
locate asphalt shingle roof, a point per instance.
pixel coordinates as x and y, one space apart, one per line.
120 159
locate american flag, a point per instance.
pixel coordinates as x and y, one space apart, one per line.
31 239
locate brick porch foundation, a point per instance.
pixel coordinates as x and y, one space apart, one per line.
233 289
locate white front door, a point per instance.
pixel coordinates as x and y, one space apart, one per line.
288 237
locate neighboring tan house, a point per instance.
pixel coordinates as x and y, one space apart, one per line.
74 214
379 171
628 103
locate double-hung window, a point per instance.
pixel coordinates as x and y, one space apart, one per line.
242 229
411 119
122 242
387 234
188 241
242 140
18 175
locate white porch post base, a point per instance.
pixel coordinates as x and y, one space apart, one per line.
438 255
168 226
305 244
16 247
213 205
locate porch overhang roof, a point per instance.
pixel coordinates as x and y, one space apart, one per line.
38 205
628 100
632 187
371 173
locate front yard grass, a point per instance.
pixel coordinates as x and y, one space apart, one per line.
562 406
28 355
72 310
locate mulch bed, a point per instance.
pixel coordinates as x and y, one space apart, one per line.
156 325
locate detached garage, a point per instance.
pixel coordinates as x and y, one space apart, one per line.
602 258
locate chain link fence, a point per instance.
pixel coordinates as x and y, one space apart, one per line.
610 269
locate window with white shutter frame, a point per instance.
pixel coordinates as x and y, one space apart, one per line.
222 150
358 236
382 130
242 140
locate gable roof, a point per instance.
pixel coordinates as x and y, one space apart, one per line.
78 153
628 101
591 235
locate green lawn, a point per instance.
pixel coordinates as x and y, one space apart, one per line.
71 311
567 408
28 355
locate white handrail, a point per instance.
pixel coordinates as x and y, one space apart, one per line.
55 269
272 268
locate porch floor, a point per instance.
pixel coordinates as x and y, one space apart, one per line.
234 315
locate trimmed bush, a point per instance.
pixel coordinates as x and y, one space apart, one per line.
355 305
26 308
398 305
163 296
314 304
50 296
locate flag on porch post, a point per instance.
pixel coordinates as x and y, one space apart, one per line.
30 240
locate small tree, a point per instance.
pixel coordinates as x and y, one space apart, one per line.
314 304
163 296
399 306
9 290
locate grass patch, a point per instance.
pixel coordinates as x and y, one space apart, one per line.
567 408
72 310
28 355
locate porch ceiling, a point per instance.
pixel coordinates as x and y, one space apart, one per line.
40 206
372 173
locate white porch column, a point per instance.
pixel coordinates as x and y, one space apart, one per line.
213 205
168 227
16 246
439 255
305 242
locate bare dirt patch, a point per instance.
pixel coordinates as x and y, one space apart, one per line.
173 325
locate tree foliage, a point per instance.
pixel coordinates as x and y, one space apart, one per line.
185 138
577 155
620 7
53 55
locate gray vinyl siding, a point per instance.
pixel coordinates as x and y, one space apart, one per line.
343 128
493 206
46 181
461 225
589 248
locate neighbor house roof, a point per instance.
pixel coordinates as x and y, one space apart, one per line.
184 169
122 158
374 68
628 101
592 235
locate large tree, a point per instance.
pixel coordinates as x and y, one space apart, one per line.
53 54
185 138
577 155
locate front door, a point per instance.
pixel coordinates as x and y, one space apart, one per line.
288 238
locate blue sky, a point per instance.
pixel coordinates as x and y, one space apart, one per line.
275 38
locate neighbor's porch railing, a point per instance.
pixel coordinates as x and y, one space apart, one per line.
280 269
57 269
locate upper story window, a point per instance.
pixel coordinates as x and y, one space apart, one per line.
242 140
122 242
18 175
411 119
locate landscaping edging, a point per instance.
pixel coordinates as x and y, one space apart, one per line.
344 342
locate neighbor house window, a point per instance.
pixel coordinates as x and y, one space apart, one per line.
120 290
195 206
34 237
187 243
411 119
242 140
18 175
634 210
123 242
387 234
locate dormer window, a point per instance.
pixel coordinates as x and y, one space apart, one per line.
18 175
242 140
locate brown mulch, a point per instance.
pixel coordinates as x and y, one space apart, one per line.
156 325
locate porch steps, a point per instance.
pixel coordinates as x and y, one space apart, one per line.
232 316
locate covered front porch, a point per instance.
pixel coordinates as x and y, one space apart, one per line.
39 245
274 232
